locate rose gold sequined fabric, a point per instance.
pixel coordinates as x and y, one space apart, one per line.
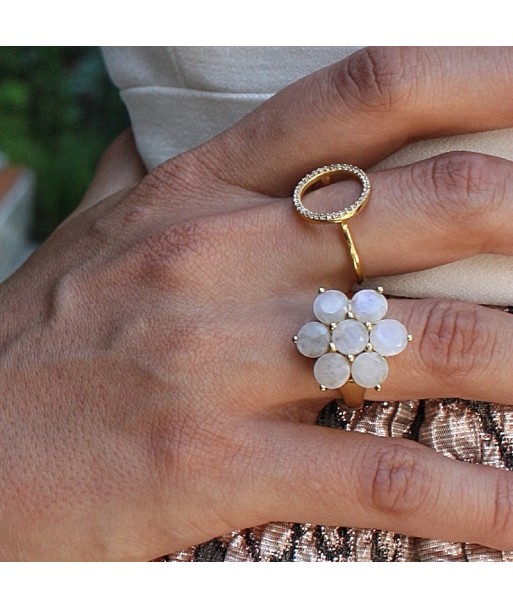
476 432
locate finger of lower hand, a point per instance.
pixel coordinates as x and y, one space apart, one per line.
311 474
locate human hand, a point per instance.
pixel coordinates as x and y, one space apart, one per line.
152 398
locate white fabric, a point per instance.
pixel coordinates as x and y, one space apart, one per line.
178 97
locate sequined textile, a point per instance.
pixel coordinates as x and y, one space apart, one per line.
475 432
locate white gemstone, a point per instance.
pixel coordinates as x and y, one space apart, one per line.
313 339
389 337
350 337
369 369
331 306
369 305
332 370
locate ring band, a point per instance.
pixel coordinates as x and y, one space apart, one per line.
325 175
355 258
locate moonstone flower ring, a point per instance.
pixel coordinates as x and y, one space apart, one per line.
351 341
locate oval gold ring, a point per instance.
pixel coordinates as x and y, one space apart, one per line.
325 175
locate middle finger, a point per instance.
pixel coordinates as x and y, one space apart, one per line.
420 216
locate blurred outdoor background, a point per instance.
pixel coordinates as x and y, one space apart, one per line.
58 112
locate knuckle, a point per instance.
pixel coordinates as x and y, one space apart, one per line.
181 251
376 78
66 295
502 520
100 229
465 185
174 243
185 449
453 339
397 481
182 175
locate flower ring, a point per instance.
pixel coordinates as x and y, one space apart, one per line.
351 339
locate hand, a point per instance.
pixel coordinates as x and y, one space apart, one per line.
151 396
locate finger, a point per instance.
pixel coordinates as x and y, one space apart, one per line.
458 349
420 216
302 473
362 109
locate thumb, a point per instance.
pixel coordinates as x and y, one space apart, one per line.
119 168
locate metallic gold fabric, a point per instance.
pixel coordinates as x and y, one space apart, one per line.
476 432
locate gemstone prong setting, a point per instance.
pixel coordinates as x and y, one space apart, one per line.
350 340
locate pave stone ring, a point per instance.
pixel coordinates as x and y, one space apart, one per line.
350 336
324 175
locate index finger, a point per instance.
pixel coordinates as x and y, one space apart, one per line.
362 109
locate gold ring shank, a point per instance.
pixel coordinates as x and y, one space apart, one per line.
353 254
352 394
324 175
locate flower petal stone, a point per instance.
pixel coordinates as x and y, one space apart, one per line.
389 337
332 370
369 369
331 306
350 337
313 339
369 305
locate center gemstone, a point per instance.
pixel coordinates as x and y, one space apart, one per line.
350 337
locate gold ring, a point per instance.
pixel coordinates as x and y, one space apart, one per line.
325 176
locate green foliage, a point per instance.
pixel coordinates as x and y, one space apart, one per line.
58 112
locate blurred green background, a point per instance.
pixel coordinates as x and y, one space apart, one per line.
58 112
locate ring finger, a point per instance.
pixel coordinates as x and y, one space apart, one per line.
458 349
